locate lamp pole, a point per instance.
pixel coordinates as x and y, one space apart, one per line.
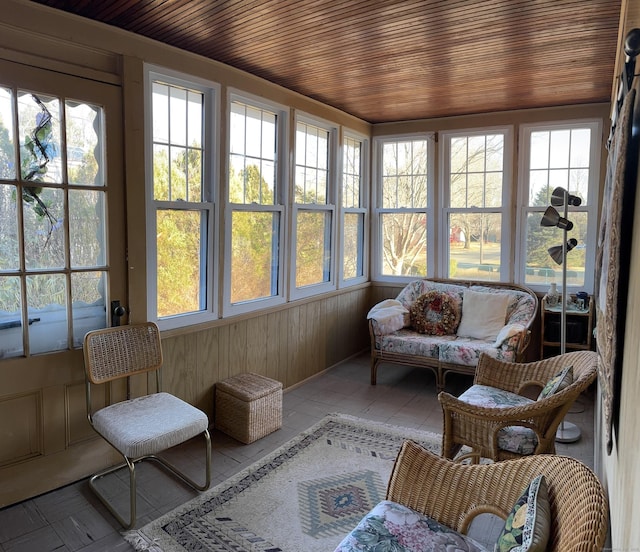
567 432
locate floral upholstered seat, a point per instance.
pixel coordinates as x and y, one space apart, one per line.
516 439
548 502
393 527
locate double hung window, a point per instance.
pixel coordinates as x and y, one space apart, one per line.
562 155
404 206
181 218
255 227
314 208
354 212
476 186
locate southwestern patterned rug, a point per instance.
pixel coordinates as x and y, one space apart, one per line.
305 496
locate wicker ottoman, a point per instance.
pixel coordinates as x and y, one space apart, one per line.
248 406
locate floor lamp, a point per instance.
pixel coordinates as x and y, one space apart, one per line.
567 432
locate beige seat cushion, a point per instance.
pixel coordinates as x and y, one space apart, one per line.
149 424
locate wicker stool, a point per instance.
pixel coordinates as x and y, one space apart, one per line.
248 406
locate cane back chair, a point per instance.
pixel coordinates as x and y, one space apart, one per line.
142 427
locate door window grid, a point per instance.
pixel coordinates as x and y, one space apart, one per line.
52 206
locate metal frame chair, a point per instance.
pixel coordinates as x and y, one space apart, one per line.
138 428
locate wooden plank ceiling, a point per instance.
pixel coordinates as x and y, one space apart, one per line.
394 60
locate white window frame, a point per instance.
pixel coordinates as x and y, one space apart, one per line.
362 209
282 144
506 266
592 207
211 92
328 208
377 210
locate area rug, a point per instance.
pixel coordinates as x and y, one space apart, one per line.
305 496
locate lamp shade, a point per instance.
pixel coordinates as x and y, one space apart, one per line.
551 217
559 196
556 250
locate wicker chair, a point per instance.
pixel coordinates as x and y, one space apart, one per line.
453 494
479 427
142 427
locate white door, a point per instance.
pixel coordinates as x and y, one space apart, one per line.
62 263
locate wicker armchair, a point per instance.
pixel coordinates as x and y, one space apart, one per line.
481 427
453 494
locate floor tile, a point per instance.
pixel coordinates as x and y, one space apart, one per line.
72 519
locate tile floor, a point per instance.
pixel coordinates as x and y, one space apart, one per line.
72 519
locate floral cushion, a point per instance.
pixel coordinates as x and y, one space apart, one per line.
466 351
409 342
527 526
436 313
391 527
557 383
516 439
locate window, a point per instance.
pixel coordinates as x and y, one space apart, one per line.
404 209
476 225
314 209
564 155
255 226
354 210
181 219
53 195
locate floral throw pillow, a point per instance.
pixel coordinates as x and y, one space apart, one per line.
557 383
436 313
527 527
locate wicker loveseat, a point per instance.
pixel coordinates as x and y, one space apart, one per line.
394 340
431 503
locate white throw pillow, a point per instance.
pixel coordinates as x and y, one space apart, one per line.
483 314
507 332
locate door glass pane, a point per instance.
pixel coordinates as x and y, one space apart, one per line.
47 299
9 259
7 147
43 211
404 244
85 150
254 255
39 127
313 252
10 317
181 243
87 303
86 228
